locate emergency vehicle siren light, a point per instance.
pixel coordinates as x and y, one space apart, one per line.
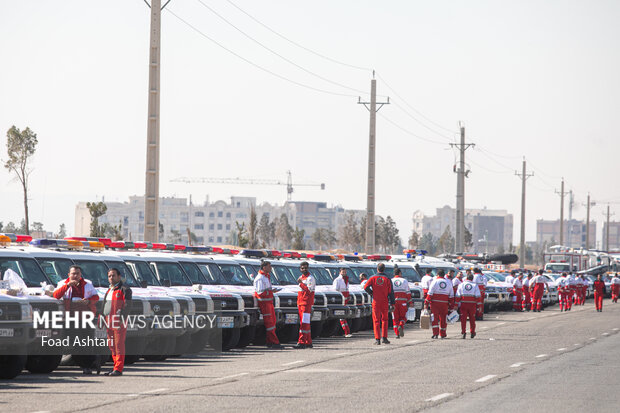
105 241
66 243
253 253
7 238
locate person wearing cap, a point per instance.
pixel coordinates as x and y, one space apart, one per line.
263 292
305 300
341 284
615 288
527 297
468 299
379 287
402 300
440 300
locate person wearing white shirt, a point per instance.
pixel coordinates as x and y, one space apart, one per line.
341 284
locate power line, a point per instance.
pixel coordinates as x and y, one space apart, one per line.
496 154
418 121
407 131
487 169
295 43
276 53
483 152
255 64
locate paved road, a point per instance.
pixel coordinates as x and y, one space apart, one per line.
556 357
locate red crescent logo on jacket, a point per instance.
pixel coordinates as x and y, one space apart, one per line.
379 281
468 287
442 284
398 283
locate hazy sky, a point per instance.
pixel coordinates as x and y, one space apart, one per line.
538 79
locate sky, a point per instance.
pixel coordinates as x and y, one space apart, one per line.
252 89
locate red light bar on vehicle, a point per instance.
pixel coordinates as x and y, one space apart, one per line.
104 241
377 257
6 238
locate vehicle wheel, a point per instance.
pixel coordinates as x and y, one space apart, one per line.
182 343
11 366
316 328
356 324
228 339
260 336
368 324
43 364
199 341
330 328
246 336
131 359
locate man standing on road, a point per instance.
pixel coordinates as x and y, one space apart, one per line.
599 293
517 290
511 277
402 295
527 297
562 284
426 281
580 296
615 288
379 287
263 291
571 290
79 295
341 284
305 300
116 303
440 300
457 280
468 299
538 286
584 289
481 280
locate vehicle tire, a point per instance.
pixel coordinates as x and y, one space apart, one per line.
368 323
11 366
227 339
355 324
260 336
246 336
316 328
131 359
43 364
199 341
330 328
182 343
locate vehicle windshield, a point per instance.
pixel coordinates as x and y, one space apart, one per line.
56 269
94 271
234 274
250 270
282 275
194 273
27 268
212 273
369 271
126 274
499 276
492 276
172 272
389 271
143 272
410 274
557 267
320 275
334 272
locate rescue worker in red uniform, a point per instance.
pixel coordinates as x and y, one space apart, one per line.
563 291
538 286
481 280
426 281
615 288
79 295
584 289
305 301
468 299
517 290
116 303
571 290
599 293
341 284
456 281
263 291
402 300
527 297
440 300
379 287
579 292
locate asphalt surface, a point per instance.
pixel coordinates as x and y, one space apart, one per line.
548 361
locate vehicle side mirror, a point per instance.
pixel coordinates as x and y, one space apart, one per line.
166 283
143 284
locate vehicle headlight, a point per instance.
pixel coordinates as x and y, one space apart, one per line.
210 306
146 309
241 303
191 307
26 311
176 308
276 301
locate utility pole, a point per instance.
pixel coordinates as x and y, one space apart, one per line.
460 191
561 193
607 231
571 203
370 204
523 175
588 205
151 192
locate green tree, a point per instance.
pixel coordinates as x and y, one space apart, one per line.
62 231
21 146
266 230
429 243
96 209
323 238
10 228
467 240
37 226
349 234
252 230
414 240
175 236
242 238
446 241
284 232
298 239
115 232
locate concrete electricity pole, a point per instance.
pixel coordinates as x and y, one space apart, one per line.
460 191
523 175
370 205
588 205
151 193
561 193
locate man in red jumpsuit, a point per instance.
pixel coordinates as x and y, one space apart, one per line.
379 287
468 298
615 288
440 300
341 284
115 304
305 300
599 293
517 290
527 297
538 285
402 299
79 295
263 291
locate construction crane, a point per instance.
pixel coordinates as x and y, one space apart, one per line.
249 181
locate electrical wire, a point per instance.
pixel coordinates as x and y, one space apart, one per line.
295 43
278 54
255 64
496 154
422 124
487 169
483 152
407 131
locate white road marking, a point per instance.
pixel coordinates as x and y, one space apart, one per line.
616 329
439 397
294 362
562 349
413 341
519 364
232 376
491 339
605 334
541 356
343 354
485 327
499 324
302 369
592 338
154 391
577 344
485 378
